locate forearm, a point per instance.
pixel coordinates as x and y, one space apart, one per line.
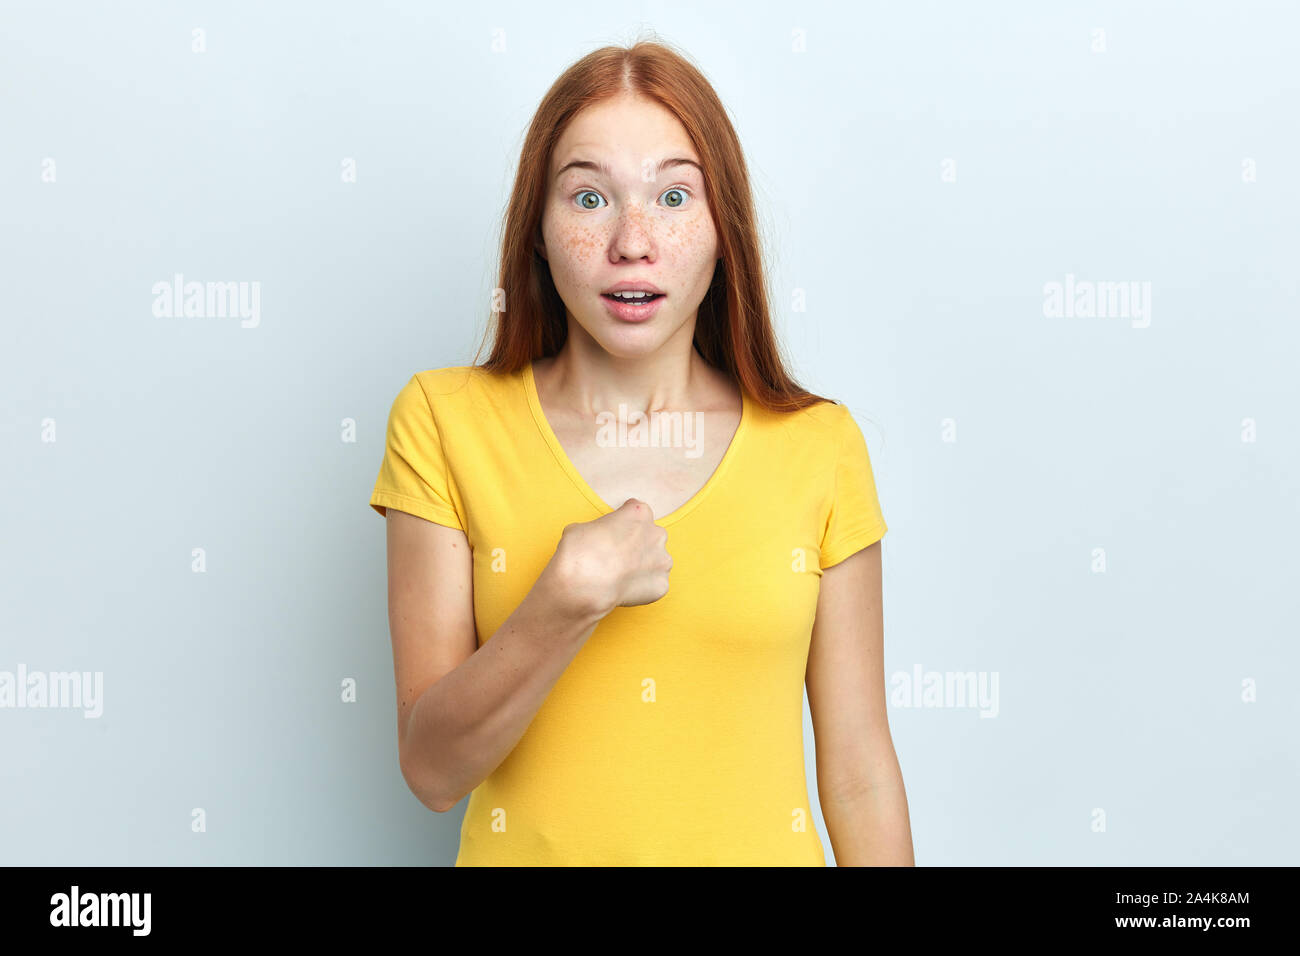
869 825
464 725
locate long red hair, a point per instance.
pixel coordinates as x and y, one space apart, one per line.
733 330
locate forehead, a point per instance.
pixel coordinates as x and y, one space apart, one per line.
624 131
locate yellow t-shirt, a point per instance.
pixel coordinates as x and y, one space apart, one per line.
675 735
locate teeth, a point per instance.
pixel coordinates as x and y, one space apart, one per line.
632 295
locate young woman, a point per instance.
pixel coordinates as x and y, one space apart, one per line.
619 548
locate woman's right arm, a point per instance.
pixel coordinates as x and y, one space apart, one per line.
461 709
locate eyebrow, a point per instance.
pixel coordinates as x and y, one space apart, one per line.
609 174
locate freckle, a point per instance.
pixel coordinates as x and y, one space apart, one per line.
579 243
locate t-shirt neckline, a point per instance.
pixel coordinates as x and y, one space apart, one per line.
529 384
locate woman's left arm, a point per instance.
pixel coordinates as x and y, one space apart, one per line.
858 778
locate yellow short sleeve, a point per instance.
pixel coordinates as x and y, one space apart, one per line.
413 476
855 521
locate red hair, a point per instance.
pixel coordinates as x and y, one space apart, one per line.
733 329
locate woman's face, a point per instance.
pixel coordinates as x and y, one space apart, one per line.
643 218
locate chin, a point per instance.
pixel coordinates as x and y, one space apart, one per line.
630 342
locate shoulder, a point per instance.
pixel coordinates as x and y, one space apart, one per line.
450 381
816 431
455 387
461 403
829 417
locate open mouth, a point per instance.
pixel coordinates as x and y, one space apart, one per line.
634 299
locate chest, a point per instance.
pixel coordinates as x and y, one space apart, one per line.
665 465
745 575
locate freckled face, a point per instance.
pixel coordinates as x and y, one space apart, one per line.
636 222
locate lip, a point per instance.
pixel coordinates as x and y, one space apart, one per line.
633 287
632 313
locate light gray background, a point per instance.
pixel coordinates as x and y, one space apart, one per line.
1119 693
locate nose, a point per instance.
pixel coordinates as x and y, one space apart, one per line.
633 232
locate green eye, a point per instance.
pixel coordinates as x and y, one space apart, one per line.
678 192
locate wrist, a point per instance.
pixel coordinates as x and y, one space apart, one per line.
575 591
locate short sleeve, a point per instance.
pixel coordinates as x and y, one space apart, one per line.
855 521
413 476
